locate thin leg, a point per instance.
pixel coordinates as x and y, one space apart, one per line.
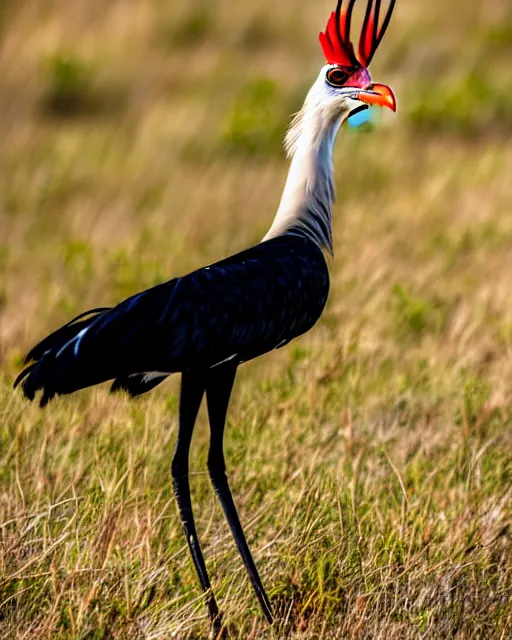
218 390
192 391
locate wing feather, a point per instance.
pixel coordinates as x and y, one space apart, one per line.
246 305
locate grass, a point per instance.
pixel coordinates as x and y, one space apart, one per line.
370 460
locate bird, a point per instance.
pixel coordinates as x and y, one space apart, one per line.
205 324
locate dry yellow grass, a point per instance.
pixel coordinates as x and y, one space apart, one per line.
372 459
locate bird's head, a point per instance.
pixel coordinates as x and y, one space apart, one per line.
344 86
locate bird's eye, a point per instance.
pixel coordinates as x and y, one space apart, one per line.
336 77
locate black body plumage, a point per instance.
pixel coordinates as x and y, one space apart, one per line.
233 310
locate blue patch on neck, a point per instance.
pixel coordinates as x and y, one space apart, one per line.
360 118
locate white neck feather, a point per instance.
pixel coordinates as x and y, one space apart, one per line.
307 199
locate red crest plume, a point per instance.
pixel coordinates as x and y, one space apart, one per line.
336 44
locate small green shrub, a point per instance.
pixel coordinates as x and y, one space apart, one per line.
72 88
69 85
415 315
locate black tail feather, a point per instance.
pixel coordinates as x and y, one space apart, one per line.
22 377
43 373
65 333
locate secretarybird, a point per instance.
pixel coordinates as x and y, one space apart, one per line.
205 324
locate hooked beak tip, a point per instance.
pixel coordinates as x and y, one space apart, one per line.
379 95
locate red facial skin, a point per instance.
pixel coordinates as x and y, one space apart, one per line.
359 78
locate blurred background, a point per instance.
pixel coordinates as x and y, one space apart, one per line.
140 139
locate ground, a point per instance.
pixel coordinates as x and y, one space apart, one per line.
371 460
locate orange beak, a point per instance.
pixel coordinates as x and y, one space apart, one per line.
377 94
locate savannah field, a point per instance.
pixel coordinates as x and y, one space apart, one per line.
371 460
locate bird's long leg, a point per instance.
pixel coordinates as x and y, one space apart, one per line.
218 391
192 391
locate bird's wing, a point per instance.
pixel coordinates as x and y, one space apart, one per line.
235 309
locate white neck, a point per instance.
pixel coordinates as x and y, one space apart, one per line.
308 196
